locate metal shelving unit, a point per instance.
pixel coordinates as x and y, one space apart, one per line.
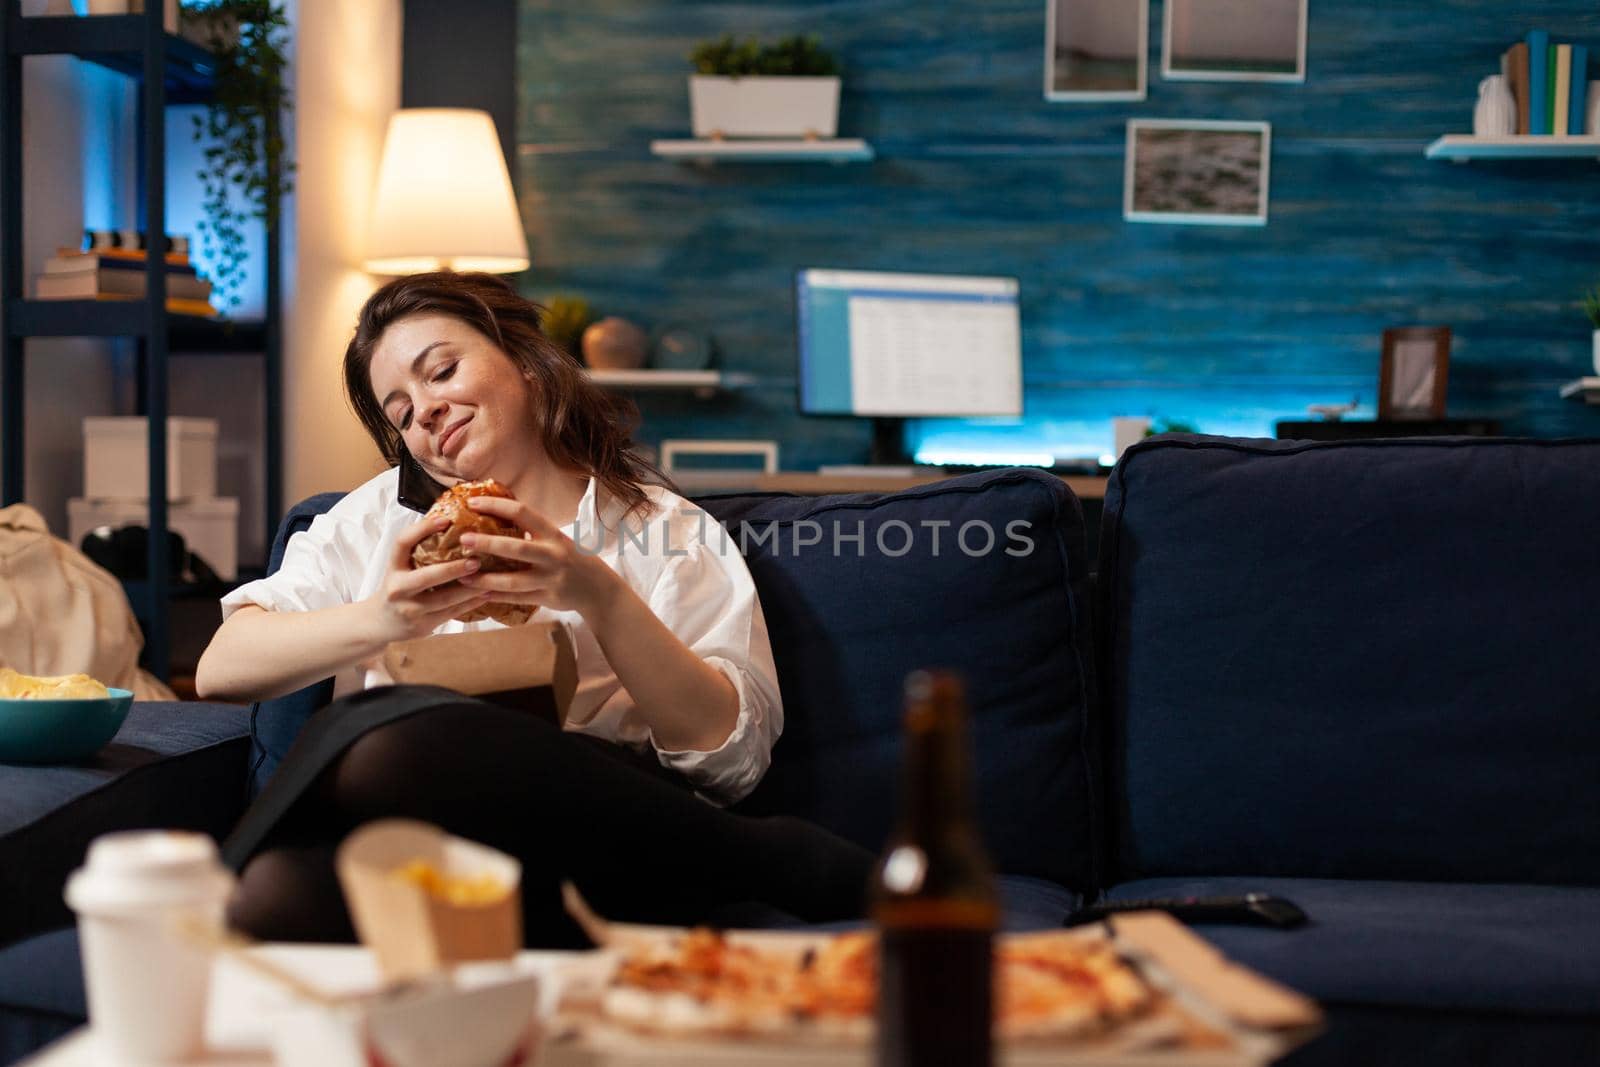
170 70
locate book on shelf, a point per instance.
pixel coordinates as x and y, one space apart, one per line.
1550 90
88 284
175 305
1561 89
1577 103
76 262
124 255
1516 63
1538 82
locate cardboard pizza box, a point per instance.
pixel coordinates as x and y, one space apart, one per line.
1216 1013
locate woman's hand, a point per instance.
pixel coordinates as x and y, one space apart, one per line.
415 601
558 573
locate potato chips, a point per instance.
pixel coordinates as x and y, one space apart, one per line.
14 685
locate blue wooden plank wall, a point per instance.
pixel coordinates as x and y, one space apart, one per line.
1225 328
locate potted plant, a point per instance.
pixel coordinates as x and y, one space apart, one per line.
246 171
564 320
1591 308
789 88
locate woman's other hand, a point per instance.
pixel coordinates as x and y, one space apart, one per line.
415 601
558 573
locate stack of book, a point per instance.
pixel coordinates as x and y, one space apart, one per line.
119 274
1549 82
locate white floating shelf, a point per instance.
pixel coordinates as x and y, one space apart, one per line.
1585 389
796 150
699 382
1461 147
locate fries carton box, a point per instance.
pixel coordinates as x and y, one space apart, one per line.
423 900
530 667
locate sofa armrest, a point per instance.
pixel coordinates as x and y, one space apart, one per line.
172 765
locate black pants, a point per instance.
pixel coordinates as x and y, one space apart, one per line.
632 836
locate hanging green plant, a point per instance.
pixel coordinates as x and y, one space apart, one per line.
246 172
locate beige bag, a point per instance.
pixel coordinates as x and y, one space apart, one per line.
62 614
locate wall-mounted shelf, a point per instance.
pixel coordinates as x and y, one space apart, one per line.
701 383
1464 147
830 150
1585 389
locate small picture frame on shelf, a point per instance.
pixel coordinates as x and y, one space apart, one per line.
1414 373
1234 40
1095 50
1198 172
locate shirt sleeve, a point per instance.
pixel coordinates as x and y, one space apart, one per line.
708 599
321 566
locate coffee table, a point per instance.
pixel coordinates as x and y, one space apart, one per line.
244 1005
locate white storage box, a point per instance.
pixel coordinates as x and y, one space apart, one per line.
116 463
209 527
760 106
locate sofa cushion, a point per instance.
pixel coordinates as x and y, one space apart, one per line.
174 765
1354 659
1492 948
900 590
1025 904
41 992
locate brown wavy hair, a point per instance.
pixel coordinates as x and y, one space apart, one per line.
582 427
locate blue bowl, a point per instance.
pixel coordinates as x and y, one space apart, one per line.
60 731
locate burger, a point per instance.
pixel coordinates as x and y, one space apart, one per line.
445 546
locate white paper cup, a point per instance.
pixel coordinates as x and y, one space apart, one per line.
147 984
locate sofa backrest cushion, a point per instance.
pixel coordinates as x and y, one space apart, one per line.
274 724
910 586
1354 660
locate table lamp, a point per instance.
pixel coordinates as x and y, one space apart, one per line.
444 198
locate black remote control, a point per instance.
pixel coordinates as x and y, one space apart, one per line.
1257 908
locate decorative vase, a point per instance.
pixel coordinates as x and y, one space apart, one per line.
615 344
759 106
1592 126
1597 351
1496 113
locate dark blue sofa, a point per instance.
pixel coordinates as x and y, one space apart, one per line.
1355 674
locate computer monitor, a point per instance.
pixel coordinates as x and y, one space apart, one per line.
908 345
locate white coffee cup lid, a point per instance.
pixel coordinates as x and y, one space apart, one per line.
142 868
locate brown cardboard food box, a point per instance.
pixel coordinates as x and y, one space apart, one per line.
412 931
530 667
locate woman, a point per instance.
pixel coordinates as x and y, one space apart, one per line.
677 694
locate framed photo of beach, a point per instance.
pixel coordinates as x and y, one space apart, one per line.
1095 49
1196 171
1234 40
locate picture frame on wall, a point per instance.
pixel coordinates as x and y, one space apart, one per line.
1234 40
1197 172
1096 49
1414 373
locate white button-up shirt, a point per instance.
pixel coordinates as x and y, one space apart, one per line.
679 561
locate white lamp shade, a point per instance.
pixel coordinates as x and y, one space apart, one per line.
444 197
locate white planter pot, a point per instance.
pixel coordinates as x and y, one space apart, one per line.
763 107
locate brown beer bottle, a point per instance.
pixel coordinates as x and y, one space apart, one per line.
933 897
